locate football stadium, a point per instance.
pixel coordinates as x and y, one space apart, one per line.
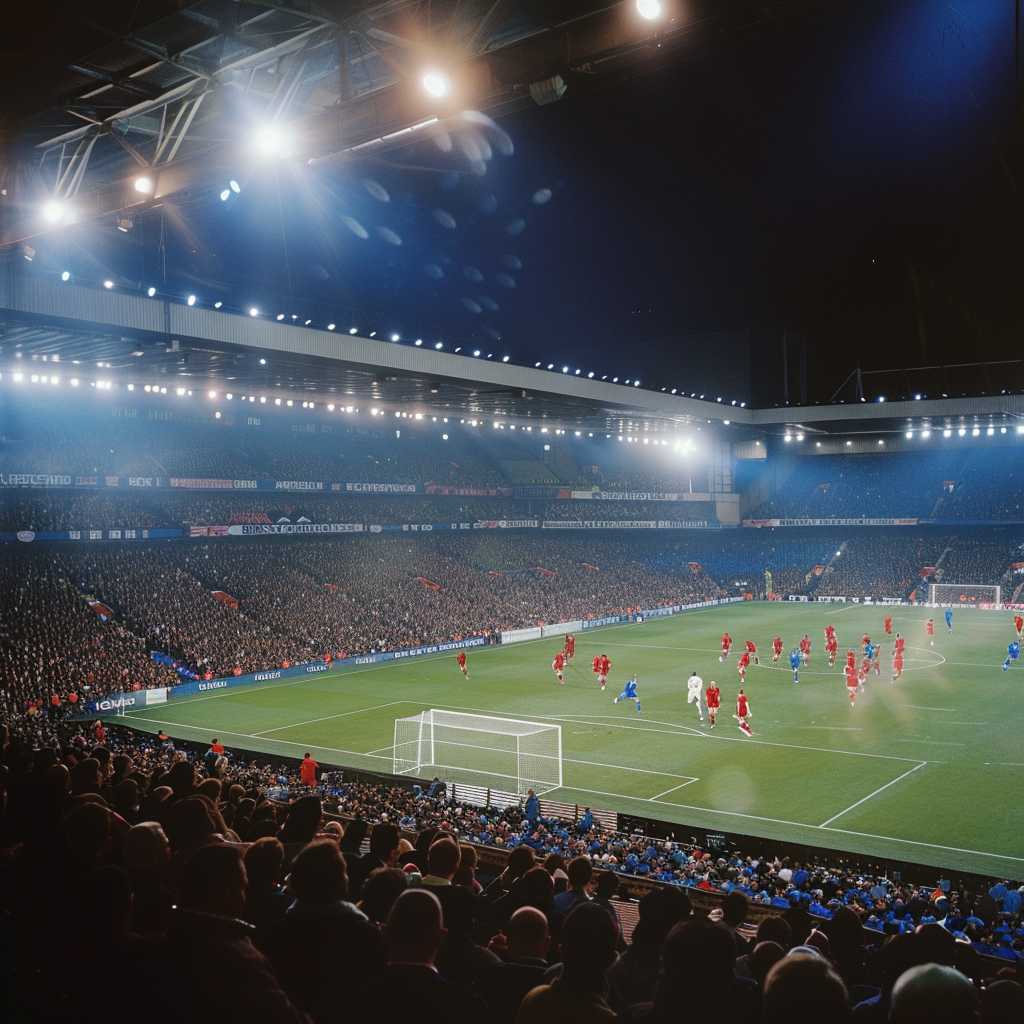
512 511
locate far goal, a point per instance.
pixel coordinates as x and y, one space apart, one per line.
504 753
964 593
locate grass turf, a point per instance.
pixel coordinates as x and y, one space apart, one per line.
929 769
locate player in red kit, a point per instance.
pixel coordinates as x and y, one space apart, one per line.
887 625
597 666
1018 624
851 685
743 713
776 648
461 659
897 664
832 646
726 646
751 649
606 667
805 648
741 666
830 633
713 699
929 628
851 660
570 645
558 667
865 668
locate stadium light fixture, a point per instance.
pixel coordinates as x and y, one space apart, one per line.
649 10
279 317
881 398
307 323
438 345
254 311
65 275
191 300
273 141
925 434
218 304
799 437
849 444
976 432
56 211
225 194
505 359
353 330
235 187
947 432
1002 430
817 444
917 397
436 83
143 184
108 284
565 369
331 327
263 361
962 432
990 431
909 435
396 337
880 441
151 291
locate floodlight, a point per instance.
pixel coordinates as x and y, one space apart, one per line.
55 211
353 330
254 311
975 432
191 300
234 186
947 432
143 184
799 437
990 431
65 275
218 304
925 434
225 194
909 435
505 359
151 291
273 141
396 337
649 10
108 284
439 345
331 327
436 83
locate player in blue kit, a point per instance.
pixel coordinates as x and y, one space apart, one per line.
949 620
629 693
794 664
1012 654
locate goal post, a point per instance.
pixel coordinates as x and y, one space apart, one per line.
505 753
964 594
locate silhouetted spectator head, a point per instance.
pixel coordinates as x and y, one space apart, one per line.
1002 1002
146 847
415 928
384 839
607 885
214 881
802 988
443 858
580 872
181 779
660 911
380 890
190 822
318 874
698 954
520 860
935 945
264 862
933 994
735 908
303 822
763 957
89 830
86 777
588 940
528 934
775 929
537 889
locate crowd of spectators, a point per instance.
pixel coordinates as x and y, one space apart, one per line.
884 564
289 601
62 510
175 879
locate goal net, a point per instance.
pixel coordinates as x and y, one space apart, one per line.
963 593
504 753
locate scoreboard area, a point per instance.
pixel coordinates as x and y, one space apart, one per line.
927 769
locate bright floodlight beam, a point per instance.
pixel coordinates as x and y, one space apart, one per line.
649 10
271 140
143 184
54 211
436 84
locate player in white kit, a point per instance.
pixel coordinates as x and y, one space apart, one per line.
695 693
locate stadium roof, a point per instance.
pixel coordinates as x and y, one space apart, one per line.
133 338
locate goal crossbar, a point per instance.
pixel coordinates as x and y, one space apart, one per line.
525 755
964 593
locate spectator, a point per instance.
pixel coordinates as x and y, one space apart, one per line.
580 872
588 950
803 989
383 853
524 947
323 945
933 994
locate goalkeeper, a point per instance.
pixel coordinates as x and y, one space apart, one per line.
629 693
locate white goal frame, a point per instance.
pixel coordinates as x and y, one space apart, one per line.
523 755
950 593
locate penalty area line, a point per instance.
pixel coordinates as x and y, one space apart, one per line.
874 793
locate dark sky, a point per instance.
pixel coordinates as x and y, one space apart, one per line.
848 179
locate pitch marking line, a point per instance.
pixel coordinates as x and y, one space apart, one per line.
326 718
683 785
1004 764
865 799
922 707
675 731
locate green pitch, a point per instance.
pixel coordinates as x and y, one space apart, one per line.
929 769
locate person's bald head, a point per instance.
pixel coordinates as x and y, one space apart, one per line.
415 928
528 933
933 994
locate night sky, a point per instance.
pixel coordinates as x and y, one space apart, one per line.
848 180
